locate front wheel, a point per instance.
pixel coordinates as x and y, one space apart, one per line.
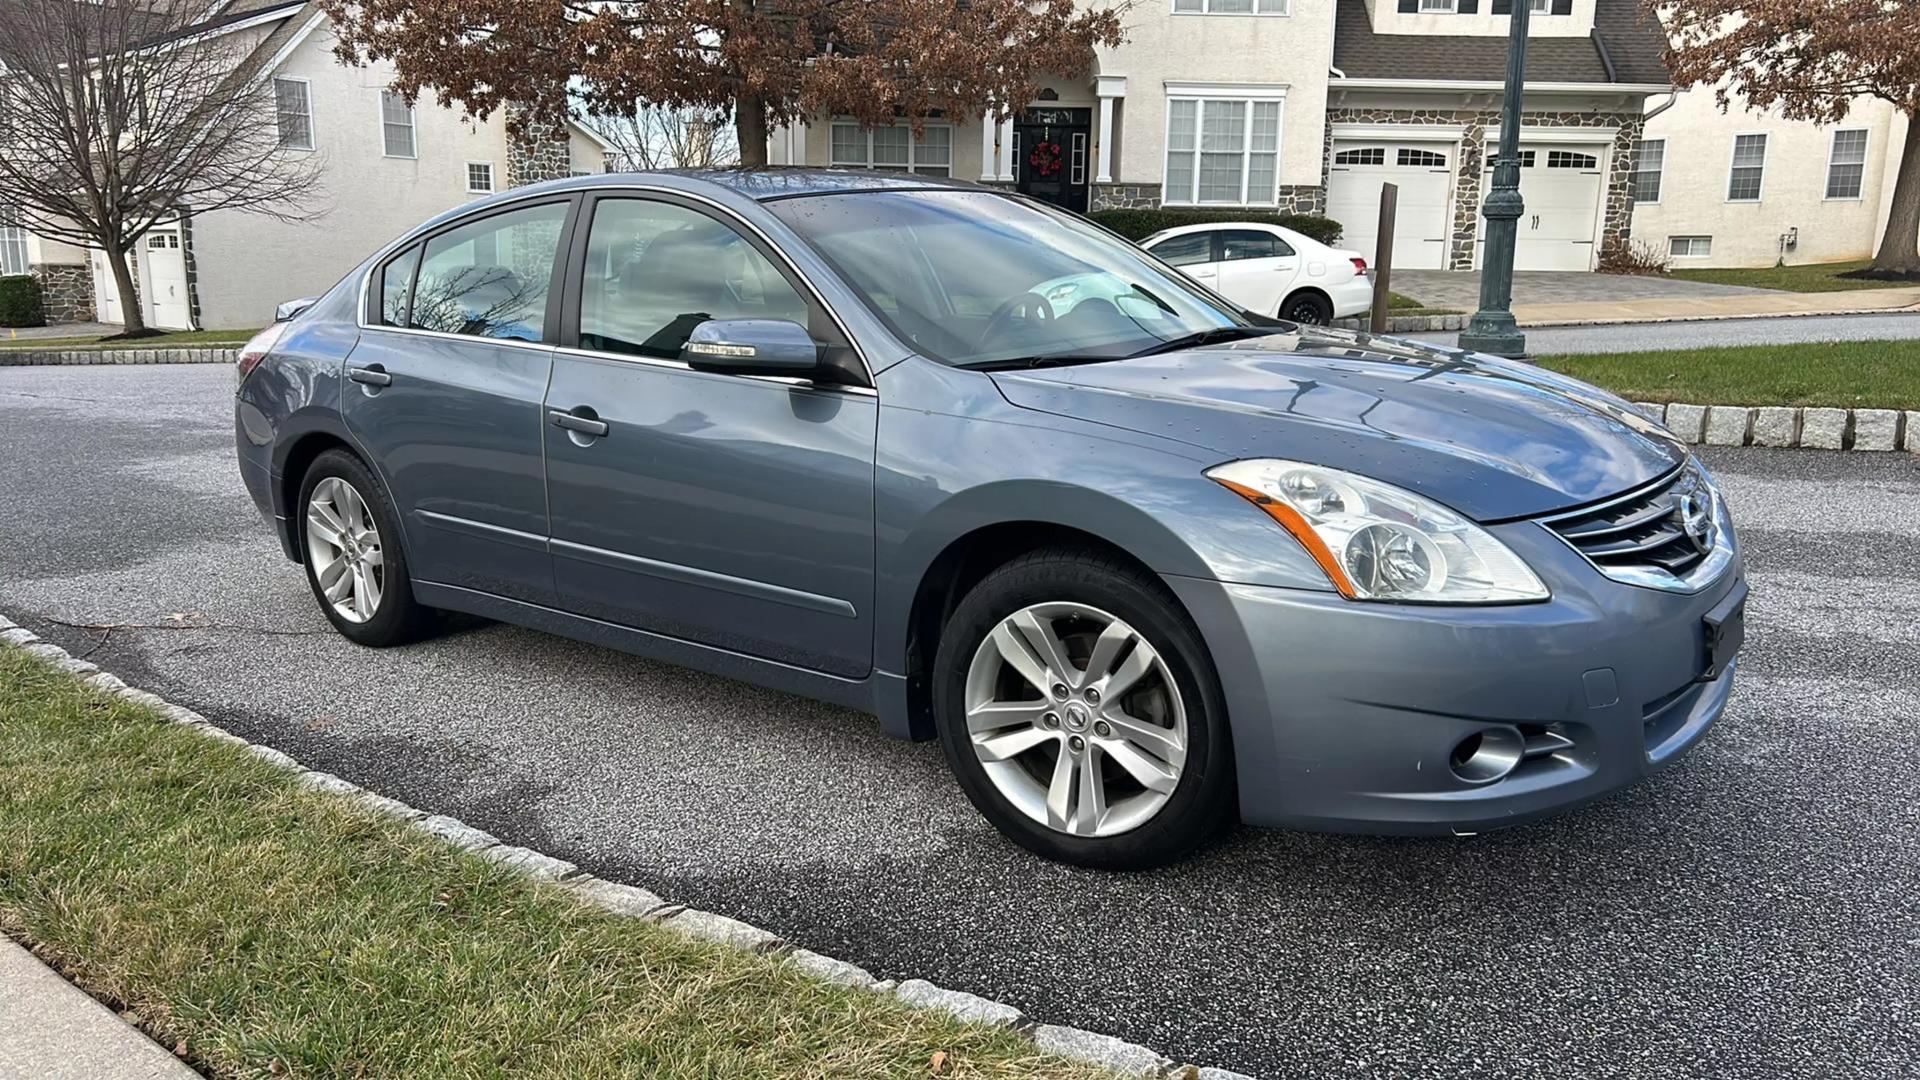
354 561
1079 710
1309 308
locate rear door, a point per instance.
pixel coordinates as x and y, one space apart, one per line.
1256 269
731 510
447 384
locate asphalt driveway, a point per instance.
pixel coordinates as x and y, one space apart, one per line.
1754 911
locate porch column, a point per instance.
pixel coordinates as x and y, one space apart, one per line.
1006 150
989 168
797 143
1109 88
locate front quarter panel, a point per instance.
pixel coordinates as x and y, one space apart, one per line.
955 457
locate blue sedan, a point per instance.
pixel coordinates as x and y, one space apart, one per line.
1143 561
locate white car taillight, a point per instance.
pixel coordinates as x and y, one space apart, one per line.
256 350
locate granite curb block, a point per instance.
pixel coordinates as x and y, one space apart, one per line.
1866 430
1408 324
83 357
1118 1055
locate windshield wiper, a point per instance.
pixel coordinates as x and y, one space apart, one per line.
1040 360
1204 337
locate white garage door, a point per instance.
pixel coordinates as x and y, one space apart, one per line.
166 267
1424 174
1561 187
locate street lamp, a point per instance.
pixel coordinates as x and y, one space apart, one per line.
1492 329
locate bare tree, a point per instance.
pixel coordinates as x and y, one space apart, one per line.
116 115
658 137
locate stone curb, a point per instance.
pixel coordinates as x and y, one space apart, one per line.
1869 430
1124 1058
1408 324
28 357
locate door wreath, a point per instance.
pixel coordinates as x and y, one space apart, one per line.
1045 159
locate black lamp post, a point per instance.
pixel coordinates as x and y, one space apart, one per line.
1492 329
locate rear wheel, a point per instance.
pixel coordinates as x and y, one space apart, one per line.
355 565
1307 307
1080 712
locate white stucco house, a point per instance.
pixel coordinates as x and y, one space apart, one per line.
1311 105
384 168
1746 187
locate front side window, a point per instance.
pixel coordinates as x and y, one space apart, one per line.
893 148
490 278
1649 167
396 286
656 270
1237 244
1847 164
293 113
1190 249
396 125
1222 151
972 278
1749 168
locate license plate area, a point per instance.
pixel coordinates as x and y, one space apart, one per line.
1726 631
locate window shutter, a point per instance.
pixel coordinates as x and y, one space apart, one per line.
1409 7
1502 7
1563 7
1468 7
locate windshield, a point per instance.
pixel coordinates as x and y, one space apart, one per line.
974 279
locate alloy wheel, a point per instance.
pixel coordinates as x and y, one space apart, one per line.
343 547
1076 719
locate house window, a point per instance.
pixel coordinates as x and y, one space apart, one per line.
1230 7
1424 159
1649 164
894 148
1689 247
1222 151
1540 7
1436 5
1749 168
479 177
13 244
1847 164
1567 159
1371 155
293 113
396 125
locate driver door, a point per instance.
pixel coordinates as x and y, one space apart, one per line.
1256 269
730 510
1194 253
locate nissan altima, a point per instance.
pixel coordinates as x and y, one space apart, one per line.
1144 562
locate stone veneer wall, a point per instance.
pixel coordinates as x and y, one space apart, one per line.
1470 171
541 149
66 291
1294 199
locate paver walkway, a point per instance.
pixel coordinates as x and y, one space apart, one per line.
1542 298
51 1030
59 330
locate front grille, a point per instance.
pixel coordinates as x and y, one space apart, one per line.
1639 531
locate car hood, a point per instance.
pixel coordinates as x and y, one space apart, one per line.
1493 439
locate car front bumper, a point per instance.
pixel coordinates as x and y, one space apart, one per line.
1347 716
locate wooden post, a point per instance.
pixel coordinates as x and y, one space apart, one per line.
1383 258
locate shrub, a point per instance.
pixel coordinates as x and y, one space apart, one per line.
1632 257
20 301
1139 224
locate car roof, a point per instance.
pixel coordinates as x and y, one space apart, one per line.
766 183
1217 226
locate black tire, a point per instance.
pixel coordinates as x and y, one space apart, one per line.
1307 307
398 618
1203 801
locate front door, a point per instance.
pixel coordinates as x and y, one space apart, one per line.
106 292
728 510
1256 269
444 390
1050 156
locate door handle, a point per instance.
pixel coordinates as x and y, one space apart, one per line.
574 421
371 375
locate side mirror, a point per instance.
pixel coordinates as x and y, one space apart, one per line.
751 347
291 309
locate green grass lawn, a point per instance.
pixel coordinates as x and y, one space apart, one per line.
1853 374
1813 277
275 930
1402 304
182 338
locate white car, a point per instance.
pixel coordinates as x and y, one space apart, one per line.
1268 269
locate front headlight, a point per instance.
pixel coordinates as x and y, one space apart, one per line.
1377 542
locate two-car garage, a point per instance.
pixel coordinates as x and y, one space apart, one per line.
1562 180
